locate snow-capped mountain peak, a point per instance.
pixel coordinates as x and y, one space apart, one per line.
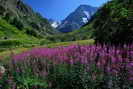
77 18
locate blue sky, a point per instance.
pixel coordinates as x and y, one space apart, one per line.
59 9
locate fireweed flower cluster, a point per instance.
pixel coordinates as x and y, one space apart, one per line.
110 59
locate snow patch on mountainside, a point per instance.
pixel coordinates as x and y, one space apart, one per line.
87 14
77 18
85 20
55 24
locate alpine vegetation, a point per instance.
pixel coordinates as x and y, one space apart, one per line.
74 67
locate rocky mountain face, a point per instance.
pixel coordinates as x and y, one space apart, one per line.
77 18
17 13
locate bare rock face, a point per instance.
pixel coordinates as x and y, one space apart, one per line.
77 18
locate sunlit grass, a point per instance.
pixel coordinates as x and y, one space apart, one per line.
8 51
6 54
80 42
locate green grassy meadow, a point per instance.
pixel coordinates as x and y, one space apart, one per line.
7 51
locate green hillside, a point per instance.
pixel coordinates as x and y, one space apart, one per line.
113 23
10 36
21 26
8 31
19 14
